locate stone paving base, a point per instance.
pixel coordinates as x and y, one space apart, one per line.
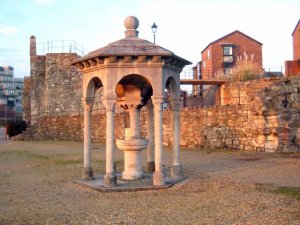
142 184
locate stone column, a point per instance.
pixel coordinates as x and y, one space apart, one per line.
150 137
176 171
159 174
87 172
134 115
110 179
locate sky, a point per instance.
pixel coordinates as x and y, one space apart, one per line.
185 27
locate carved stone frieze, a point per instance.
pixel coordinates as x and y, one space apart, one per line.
80 65
92 62
112 59
157 59
142 59
127 59
99 60
87 64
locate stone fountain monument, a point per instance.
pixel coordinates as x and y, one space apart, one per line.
133 144
133 73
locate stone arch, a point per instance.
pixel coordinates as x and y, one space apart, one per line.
93 85
132 81
172 87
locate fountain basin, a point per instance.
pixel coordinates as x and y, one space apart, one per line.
132 148
132 144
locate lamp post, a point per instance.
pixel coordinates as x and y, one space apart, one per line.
154 29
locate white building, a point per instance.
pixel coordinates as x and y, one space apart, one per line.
11 91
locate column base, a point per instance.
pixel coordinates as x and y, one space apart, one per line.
176 171
159 178
132 175
150 167
110 180
87 173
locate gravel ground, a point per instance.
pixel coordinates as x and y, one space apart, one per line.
224 187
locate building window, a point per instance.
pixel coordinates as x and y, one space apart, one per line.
203 64
208 54
227 54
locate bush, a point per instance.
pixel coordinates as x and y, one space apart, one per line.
245 69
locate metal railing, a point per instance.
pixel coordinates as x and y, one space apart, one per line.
273 72
61 46
187 73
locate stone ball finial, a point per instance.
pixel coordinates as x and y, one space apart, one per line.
131 23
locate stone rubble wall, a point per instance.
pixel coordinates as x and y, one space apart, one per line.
270 122
54 88
260 115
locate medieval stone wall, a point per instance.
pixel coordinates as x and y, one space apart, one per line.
55 88
270 122
262 115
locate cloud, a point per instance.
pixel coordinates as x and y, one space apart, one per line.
7 29
44 2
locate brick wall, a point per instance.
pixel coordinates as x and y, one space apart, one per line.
296 42
241 44
292 68
207 64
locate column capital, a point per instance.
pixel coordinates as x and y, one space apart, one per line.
175 104
157 102
109 103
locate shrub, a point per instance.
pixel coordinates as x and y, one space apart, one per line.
244 69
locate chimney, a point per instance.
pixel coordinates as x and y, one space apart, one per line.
32 46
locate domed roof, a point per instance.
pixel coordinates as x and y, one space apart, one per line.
131 45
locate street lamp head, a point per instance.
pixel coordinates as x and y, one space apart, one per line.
154 28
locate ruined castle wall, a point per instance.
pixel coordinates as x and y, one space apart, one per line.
55 88
262 115
37 87
270 122
62 85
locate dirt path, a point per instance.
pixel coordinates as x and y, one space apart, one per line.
36 183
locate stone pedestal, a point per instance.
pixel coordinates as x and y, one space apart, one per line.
132 148
132 145
133 166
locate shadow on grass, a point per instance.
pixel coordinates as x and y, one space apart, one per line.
289 191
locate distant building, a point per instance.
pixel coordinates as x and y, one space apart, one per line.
19 87
221 54
293 67
11 91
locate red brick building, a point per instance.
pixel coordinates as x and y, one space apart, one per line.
222 53
293 67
